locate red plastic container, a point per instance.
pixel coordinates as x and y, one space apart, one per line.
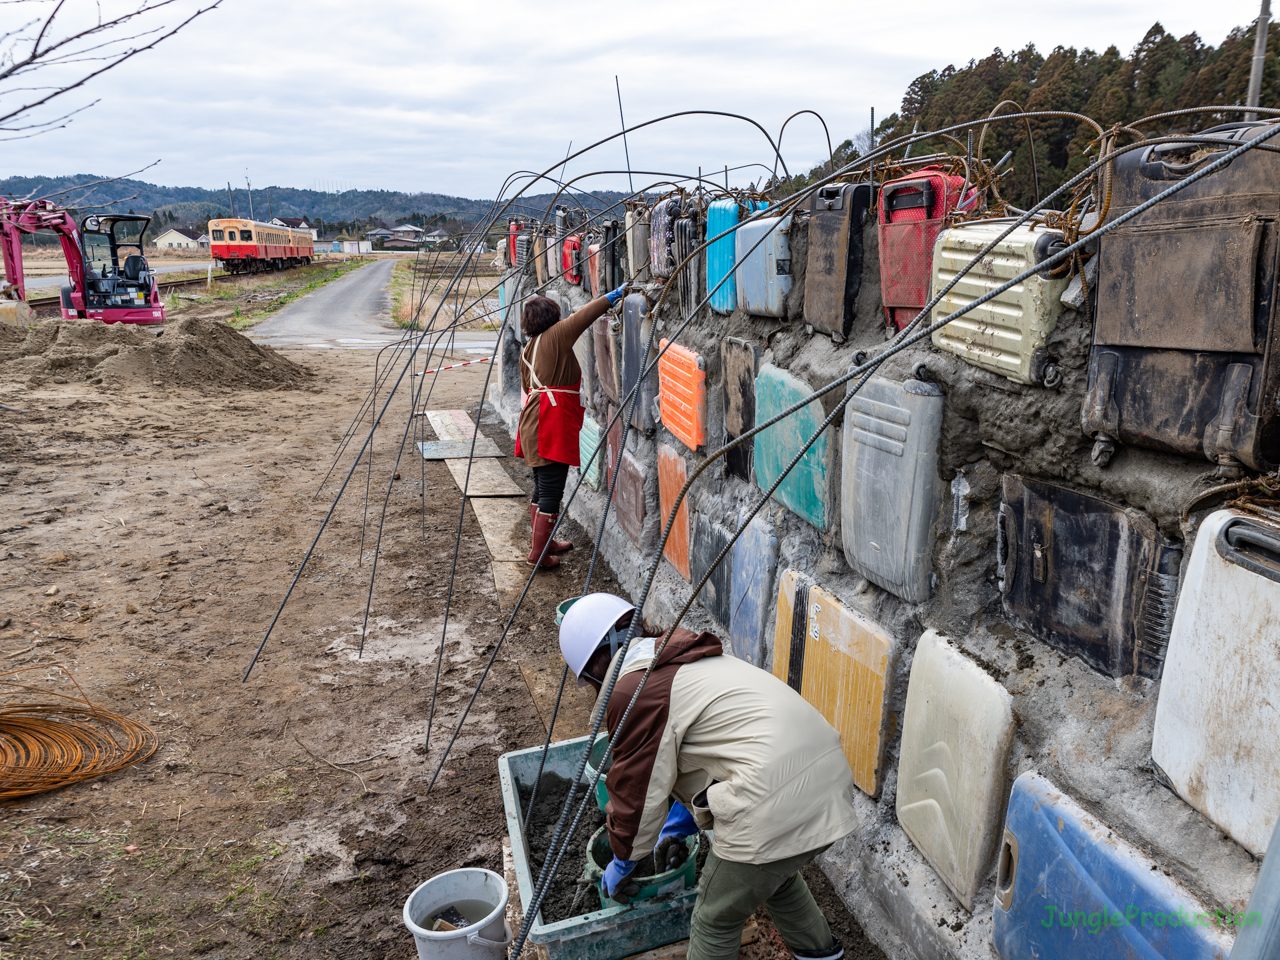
913 211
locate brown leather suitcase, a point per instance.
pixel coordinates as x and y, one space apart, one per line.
833 271
1186 350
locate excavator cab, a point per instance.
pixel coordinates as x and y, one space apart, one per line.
116 274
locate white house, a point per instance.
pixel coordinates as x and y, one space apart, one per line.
436 236
297 223
407 231
180 238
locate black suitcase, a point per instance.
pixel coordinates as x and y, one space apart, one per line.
1088 577
686 241
741 362
662 236
610 262
833 271
1185 356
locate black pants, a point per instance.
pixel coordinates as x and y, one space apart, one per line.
548 486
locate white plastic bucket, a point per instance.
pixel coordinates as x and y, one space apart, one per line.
486 940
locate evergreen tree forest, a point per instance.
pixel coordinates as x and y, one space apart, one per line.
1162 73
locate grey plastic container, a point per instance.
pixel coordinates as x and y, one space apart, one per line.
889 486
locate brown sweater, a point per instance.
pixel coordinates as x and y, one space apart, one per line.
556 366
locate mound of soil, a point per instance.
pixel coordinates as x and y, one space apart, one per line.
193 353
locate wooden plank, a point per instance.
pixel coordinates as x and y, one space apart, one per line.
488 478
445 426
509 578
455 449
680 949
542 677
504 522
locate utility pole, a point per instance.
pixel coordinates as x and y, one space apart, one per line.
231 197
250 186
1259 58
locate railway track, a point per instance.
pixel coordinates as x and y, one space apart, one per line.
53 301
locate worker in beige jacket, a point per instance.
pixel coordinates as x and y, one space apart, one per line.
714 743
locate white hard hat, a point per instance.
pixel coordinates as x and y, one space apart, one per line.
586 625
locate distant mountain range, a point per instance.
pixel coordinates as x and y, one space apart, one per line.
184 205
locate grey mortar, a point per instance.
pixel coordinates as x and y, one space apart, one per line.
1089 734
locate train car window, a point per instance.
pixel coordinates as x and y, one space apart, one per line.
217 234
246 236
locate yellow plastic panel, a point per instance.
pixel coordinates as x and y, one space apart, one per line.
840 662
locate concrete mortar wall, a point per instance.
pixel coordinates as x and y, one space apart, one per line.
1089 734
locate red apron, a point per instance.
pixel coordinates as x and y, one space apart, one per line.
559 417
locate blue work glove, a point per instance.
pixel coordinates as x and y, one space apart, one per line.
616 885
671 851
613 296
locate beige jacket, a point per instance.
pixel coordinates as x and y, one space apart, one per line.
743 751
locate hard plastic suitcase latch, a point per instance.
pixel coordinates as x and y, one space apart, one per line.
909 195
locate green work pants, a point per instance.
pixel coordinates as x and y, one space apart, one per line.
728 893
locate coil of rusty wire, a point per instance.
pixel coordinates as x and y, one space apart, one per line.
63 740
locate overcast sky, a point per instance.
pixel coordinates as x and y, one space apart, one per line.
452 97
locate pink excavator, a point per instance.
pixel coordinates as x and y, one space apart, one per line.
107 280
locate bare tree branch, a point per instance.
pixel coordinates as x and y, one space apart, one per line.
105 42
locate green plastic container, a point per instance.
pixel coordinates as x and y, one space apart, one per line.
658 885
610 934
563 608
593 763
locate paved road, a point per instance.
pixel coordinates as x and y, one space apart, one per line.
352 313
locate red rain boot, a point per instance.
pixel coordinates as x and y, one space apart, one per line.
557 546
542 524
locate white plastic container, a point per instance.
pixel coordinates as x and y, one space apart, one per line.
1217 730
764 266
956 733
1007 334
485 940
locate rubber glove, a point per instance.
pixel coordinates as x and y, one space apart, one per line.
613 296
671 851
616 885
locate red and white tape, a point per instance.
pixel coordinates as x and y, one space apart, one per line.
452 366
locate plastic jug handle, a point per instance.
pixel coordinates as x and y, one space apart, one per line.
476 940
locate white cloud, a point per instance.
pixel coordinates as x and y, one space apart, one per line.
451 97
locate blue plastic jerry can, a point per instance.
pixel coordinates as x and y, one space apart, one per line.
755 563
722 280
1067 888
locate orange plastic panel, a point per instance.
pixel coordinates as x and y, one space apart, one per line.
682 392
671 477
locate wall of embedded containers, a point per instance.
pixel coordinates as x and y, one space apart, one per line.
1174 361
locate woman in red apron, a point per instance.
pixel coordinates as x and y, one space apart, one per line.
551 418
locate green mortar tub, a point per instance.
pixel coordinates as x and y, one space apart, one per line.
593 763
667 882
609 934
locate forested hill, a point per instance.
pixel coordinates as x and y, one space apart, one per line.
194 205
1162 73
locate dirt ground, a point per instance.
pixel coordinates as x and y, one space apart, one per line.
285 816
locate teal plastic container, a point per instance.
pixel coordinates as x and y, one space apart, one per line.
610 934
806 490
593 764
563 607
658 885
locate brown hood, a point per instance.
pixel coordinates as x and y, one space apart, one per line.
685 646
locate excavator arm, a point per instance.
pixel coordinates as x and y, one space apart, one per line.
28 216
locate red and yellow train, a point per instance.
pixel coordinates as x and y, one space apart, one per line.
250 246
